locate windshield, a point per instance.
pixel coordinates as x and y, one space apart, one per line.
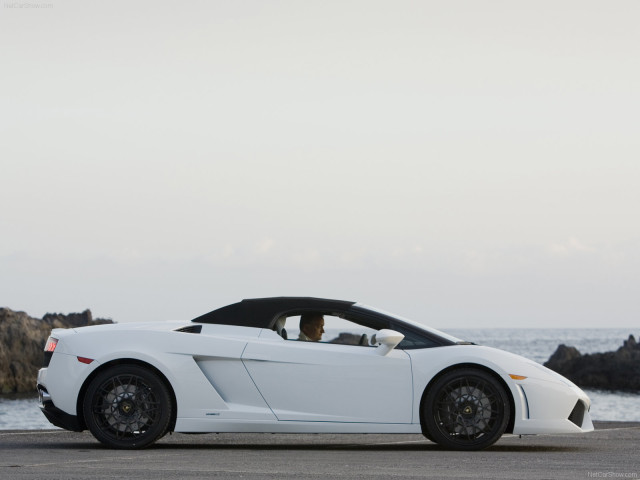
411 322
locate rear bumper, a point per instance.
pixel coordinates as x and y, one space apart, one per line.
56 416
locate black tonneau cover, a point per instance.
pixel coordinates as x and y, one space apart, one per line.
262 312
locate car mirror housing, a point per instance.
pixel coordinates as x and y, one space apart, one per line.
388 340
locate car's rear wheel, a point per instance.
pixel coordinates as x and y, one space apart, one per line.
127 406
466 409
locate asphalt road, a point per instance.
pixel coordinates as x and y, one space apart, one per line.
609 452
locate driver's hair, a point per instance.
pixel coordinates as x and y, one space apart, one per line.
307 318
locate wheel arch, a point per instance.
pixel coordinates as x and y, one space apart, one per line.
512 413
126 361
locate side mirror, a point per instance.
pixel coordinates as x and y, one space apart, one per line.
388 340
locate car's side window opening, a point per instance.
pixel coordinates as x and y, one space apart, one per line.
340 329
334 329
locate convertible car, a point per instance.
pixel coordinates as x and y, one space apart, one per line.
246 368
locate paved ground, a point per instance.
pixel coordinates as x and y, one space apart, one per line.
609 452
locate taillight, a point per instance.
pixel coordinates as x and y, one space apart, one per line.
51 345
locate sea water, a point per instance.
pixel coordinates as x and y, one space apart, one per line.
536 344
21 413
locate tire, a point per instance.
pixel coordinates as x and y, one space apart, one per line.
127 407
466 409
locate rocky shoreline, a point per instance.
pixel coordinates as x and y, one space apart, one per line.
22 340
619 370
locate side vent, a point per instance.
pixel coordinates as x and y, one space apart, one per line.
189 329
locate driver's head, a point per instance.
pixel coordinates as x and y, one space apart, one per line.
312 325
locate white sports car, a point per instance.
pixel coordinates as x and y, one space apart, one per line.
350 369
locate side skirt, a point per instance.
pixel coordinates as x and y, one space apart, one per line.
199 425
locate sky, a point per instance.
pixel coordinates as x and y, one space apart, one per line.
460 163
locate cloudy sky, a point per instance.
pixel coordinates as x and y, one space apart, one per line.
462 163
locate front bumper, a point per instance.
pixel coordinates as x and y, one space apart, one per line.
56 416
550 407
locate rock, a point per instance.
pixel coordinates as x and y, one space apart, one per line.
619 370
562 356
22 340
630 343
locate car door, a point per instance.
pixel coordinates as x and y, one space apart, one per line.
326 382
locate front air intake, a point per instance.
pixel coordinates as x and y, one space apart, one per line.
577 414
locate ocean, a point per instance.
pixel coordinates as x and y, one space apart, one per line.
537 344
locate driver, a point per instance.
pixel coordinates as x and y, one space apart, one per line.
311 327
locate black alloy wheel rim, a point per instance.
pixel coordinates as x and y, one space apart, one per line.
125 406
468 409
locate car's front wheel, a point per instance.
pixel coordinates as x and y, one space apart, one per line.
465 409
127 406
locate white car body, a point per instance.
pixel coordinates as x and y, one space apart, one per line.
230 378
